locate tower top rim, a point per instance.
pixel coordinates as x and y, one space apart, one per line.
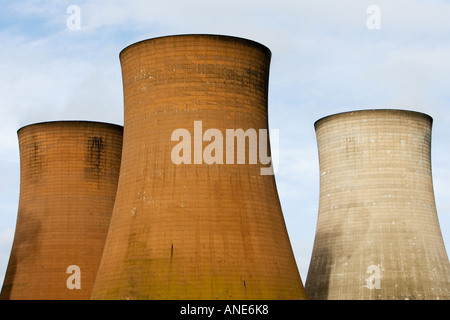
372 111
199 35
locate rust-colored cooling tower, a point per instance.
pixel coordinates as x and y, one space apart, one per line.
195 231
378 235
68 180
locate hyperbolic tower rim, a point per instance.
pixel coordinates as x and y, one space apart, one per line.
316 123
50 122
219 36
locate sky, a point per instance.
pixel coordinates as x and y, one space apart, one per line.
328 56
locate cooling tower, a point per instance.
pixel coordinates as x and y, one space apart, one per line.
205 227
378 235
68 181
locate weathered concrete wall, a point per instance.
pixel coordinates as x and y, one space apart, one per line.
378 235
194 231
68 180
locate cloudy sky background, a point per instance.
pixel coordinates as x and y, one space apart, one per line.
324 60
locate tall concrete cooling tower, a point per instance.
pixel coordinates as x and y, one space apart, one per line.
187 223
68 181
378 235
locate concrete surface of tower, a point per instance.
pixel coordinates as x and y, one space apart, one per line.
378 235
198 230
68 180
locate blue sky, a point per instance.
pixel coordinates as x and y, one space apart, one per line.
324 60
